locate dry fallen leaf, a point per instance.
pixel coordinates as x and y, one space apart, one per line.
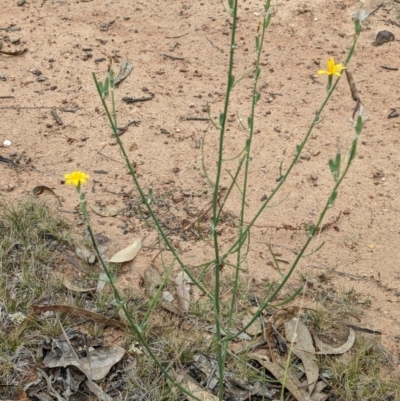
189 384
183 283
67 283
255 328
107 211
125 69
129 253
40 189
95 365
326 349
88 315
298 333
291 383
152 281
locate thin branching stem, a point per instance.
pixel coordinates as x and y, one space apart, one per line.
144 198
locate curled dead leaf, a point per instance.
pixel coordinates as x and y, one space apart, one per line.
129 253
326 349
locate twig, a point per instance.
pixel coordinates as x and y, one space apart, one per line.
176 37
389 68
123 129
24 107
376 9
7 97
197 119
56 117
129 100
393 22
213 45
108 157
172 48
172 57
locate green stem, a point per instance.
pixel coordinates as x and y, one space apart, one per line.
120 301
215 217
144 197
298 153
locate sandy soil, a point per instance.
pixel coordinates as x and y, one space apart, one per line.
65 41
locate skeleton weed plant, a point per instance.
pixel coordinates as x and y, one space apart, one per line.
339 167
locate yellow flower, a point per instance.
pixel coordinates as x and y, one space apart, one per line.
76 178
333 69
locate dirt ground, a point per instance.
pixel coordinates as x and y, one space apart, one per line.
66 41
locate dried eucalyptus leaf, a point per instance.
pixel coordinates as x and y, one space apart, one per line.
326 349
298 333
125 69
129 253
152 281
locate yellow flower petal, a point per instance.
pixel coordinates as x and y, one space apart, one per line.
332 68
76 178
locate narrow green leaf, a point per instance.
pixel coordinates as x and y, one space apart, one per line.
250 123
357 26
298 149
257 44
258 71
111 75
332 198
359 125
150 195
267 5
221 120
267 20
257 97
310 231
353 150
231 82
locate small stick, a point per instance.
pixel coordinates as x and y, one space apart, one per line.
197 119
213 45
389 68
56 117
7 97
172 48
173 57
136 100
27 108
176 37
376 9
122 130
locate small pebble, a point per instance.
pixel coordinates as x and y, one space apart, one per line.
314 177
383 37
6 143
176 170
21 3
